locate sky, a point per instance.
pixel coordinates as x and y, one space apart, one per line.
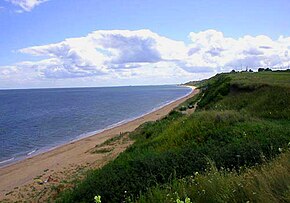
72 43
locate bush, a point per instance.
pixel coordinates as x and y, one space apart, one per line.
182 108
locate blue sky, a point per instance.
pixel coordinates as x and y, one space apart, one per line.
29 23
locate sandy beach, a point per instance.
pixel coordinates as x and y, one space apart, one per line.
19 179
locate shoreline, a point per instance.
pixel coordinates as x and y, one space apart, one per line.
89 134
35 152
57 159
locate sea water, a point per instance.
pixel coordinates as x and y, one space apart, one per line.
36 120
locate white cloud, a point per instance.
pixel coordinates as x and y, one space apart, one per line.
7 72
143 55
103 52
26 5
211 49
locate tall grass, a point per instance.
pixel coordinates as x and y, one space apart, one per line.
268 183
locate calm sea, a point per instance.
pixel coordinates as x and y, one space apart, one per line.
36 120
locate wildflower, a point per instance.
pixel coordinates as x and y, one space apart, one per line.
280 149
98 199
187 200
196 173
179 201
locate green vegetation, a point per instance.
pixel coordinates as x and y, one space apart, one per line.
182 108
112 140
269 183
102 151
242 120
189 103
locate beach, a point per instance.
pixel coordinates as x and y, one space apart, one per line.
67 159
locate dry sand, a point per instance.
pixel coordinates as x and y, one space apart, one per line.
18 181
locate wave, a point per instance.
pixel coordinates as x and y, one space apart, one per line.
17 158
7 160
29 153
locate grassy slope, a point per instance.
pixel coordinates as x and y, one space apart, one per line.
242 120
268 183
264 98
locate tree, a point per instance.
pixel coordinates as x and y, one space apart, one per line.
261 69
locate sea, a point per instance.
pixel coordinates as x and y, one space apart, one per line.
33 121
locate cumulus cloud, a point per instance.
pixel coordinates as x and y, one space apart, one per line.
102 52
137 54
212 49
8 71
128 47
26 5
